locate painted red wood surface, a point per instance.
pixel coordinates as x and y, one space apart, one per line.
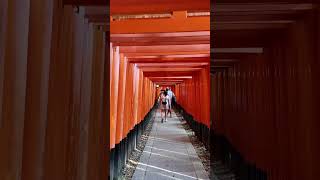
266 105
171 52
131 97
136 94
194 96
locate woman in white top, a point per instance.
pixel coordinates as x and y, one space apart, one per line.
164 105
170 95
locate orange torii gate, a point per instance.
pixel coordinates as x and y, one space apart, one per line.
157 50
178 22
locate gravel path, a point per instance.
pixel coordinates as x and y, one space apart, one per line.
129 169
202 152
220 172
217 170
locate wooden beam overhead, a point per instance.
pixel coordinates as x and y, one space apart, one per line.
167 83
254 17
179 22
165 48
253 50
169 54
86 2
170 64
271 6
175 69
263 2
158 39
167 73
172 57
167 80
169 60
156 6
247 23
250 25
171 77
163 35
159 43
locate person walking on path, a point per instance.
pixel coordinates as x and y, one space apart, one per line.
171 97
164 105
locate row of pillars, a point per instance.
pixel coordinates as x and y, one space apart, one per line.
53 105
267 106
193 95
131 98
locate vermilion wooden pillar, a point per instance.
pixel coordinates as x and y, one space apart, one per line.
82 111
316 84
136 82
121 100
105 141
3 30
140 98
60 80
39 59
127 103
95 129
13 67
51 93
111 98
268 110
114 94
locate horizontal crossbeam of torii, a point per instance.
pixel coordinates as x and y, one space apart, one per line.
143 6
174 5
86 2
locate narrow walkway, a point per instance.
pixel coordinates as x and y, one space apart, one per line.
169 154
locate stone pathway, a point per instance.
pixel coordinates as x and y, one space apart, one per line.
169 154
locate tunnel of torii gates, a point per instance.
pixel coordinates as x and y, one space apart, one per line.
149 53
264 82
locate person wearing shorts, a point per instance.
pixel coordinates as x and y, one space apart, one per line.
171 96
164 105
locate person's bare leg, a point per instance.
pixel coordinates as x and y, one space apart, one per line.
161 114
166 114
